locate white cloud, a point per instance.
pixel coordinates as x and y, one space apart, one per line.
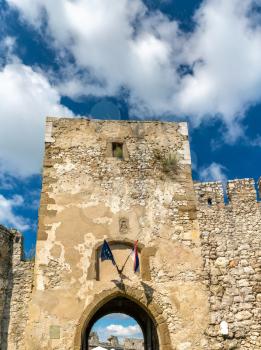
121 44
256 142
117 315
7 215
121 331
26 99
228 79
6 181
214 172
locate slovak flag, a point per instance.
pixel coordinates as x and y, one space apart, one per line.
136 258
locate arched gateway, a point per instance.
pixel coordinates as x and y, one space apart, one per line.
124 305
153 326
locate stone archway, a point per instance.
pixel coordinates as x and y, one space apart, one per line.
121 304
132 302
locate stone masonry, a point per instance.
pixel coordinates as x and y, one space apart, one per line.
231 251
16 281
113 343
125 181
6 247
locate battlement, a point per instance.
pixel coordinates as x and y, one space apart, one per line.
237 191
209 193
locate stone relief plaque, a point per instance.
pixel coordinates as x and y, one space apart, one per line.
54 332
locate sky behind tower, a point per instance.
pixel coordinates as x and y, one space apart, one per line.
197 61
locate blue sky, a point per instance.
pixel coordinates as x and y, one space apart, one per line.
120 325
159 59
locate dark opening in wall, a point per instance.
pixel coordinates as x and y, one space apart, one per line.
209 201
117 150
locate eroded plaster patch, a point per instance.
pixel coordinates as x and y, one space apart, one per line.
102 220
85 250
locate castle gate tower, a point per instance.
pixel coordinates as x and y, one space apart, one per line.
124 182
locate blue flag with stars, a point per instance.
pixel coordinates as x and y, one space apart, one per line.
106 253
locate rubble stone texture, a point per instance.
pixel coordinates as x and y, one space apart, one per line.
231 251
199 256
113 342
16 282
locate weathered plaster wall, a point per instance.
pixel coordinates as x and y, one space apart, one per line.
16 279
231 236
87 196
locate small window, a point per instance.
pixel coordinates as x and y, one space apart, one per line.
117 150
209 202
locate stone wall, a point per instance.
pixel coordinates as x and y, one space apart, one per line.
113 343
6 248
16 277
133 344
230 235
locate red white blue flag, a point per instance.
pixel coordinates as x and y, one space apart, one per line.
136 257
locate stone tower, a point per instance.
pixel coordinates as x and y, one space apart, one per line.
199 285
121 181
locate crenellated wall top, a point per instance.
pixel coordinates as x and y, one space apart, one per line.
234 192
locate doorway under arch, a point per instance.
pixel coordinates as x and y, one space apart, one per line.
122 304
116 331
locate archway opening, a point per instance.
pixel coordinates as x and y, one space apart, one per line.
128 307
116 331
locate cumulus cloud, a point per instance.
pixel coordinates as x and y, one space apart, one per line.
212 72
7 215
27 98
255 142
213 172
225 50
121 331
6 181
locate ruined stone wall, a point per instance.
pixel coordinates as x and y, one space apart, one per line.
231 236
133 344
89 195
19 294
16 279
113 343
6 248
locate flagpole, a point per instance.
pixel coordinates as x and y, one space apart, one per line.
106 254
123 266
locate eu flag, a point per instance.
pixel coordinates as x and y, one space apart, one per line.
106 253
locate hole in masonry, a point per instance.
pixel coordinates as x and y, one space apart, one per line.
209 201
117 150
